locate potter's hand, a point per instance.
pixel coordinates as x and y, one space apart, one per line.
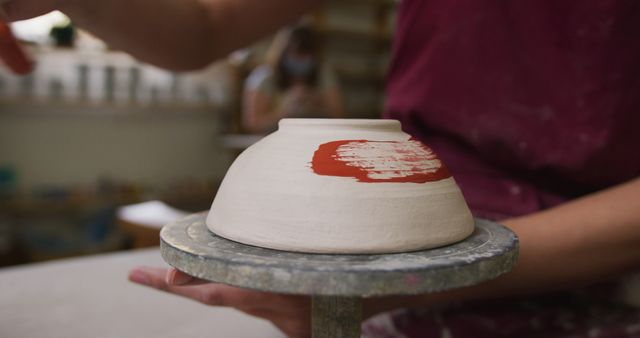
199 32
291 314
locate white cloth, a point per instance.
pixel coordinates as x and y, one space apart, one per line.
153 214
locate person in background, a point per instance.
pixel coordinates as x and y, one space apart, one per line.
533 105
294 82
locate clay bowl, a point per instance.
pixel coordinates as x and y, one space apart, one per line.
340 186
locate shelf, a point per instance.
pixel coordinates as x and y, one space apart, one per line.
85 109
27 206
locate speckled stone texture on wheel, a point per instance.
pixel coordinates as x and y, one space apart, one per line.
190 247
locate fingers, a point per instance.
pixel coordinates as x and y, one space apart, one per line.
144 275
157 279
289 313
225 295
193 288
177 277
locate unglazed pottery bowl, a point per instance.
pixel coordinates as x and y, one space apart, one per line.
340 186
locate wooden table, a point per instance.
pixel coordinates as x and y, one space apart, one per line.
337 283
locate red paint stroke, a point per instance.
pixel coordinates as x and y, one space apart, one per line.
344 159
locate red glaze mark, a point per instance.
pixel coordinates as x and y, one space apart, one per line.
11 52
379 161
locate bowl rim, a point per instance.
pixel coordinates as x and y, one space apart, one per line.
376 124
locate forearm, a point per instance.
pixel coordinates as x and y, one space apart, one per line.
168 33
182 34
584 241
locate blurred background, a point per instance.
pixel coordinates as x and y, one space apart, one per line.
99 150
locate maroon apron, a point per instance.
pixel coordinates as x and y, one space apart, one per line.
530 103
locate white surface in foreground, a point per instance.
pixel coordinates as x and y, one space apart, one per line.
91 297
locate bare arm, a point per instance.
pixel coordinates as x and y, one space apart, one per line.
580 242
174 34
590 239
